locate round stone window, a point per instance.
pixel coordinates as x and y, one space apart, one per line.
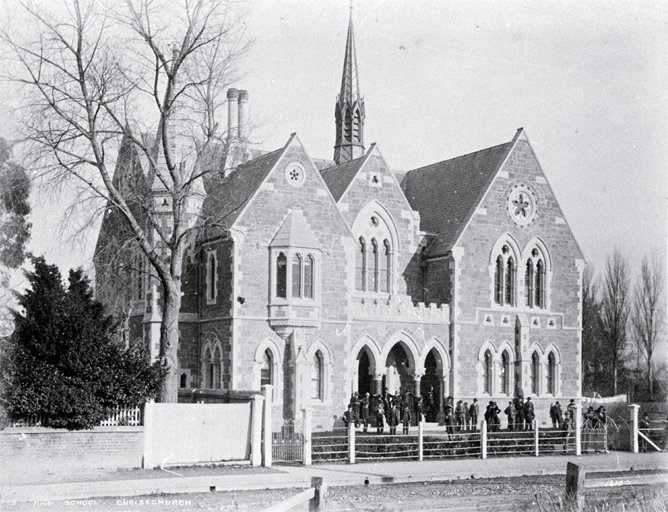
521 204
295 175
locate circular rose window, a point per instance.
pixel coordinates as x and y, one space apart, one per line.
522 204
295 175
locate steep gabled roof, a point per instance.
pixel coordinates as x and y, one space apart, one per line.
295 232
339 177
447 193
226 199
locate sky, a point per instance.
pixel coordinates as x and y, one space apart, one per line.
587 79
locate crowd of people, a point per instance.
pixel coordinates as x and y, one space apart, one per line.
407 409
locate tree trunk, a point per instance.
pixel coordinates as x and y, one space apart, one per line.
650 385
614 378
169 341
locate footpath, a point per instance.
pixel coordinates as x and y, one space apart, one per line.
22 488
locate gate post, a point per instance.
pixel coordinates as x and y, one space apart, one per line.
351 442
267 391
483 439
149 427
256 430
421 440
306 448
634 427
535 436
578 429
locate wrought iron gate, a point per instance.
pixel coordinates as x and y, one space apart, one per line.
287 445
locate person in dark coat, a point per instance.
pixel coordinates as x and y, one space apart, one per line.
496 421
553 415
406 418
529 413
431 404
601 417
419 410
510 412
366 401
572 408
519 412
393 419
348 416
355 403
558 414
459 415
474 410
449 419
380 417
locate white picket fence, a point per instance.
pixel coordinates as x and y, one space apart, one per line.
120 416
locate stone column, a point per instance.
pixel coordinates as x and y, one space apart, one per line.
417 378
295 381
378 382
578 429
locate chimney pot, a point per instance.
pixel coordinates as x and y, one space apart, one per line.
243 115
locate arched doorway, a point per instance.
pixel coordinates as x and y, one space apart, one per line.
364 384
432 381
398 374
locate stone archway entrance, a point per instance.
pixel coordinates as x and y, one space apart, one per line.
399 371
364 379
432 380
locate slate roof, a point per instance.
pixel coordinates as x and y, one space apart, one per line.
339 177
447 193
295 232
226 200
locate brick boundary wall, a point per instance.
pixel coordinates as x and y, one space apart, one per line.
59 450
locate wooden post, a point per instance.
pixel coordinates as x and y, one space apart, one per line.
483 439
351 442
575 485
535 437
306 456
634 427
421 440
578 429
319 501
267 391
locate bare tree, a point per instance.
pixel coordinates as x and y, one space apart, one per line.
648 311
614 312
595 363
98 78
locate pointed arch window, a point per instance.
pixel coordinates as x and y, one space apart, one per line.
385 268
487 372
281 276
498 281
373 267
510 282
528 284
551 374
139 288
308 277
360 265
505 372
540 284
297 275
183 380
535 367
317 377
266 370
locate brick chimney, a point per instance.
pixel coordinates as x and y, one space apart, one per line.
232 114
243 116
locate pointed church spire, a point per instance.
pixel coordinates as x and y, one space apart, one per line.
349 110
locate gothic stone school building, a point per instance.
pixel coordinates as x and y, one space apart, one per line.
342 276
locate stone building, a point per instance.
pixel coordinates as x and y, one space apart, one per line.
330 277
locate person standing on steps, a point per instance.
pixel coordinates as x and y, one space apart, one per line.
474 411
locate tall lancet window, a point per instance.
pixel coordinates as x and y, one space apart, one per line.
528 284
281 276
498 281
385 268
540 284
373 267
510 282
487 372
296 275
360 265
308 277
